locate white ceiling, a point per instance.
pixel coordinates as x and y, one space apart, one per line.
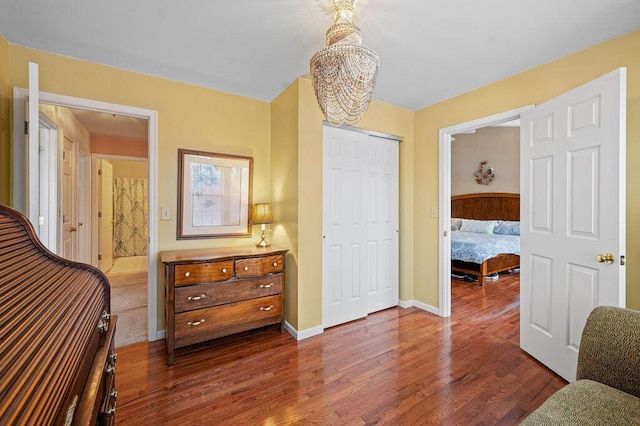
429 50
119 126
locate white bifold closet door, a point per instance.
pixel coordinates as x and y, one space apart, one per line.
360 225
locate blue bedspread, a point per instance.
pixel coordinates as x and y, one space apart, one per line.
475 247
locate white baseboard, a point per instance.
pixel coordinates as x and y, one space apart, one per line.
420 305
425 307
405 303
161 334
304 334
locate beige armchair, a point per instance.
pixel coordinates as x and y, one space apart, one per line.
607 389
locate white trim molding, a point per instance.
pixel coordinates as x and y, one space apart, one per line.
304 334
420 305
405 303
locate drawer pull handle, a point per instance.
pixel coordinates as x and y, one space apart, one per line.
113 394
275 263
195 323
266 285
224 270
246 268
110 412
186 274
194 298
111 370
267 308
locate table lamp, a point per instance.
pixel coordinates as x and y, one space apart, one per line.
261 215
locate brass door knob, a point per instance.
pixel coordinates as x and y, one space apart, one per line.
605 258
72 229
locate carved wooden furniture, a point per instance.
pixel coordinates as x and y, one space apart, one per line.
486 206
57 364
216 292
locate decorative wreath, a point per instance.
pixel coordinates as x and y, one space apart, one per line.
483 174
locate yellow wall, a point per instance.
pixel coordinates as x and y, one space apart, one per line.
284 199
129 169
5 124
531 87
188 117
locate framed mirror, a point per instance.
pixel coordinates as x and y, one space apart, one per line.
214 195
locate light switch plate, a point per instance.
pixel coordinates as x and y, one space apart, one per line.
166 213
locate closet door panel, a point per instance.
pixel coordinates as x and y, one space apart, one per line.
360 211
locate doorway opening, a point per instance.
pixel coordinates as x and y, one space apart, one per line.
150 119
445 166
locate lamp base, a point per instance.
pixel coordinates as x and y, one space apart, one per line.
263 242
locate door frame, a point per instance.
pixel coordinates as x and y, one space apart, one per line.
444 229
48 183
84 206
20 96
95 201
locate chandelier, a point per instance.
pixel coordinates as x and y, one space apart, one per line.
344 73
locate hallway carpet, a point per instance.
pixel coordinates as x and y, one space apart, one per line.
129 303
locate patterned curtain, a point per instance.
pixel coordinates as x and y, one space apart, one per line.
130 215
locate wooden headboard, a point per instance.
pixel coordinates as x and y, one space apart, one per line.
486 206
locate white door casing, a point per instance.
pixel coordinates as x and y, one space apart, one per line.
573 209
31 159
105 217
84 207
360 225
47 188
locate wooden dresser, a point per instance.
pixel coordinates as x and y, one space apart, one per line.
216 292
57 363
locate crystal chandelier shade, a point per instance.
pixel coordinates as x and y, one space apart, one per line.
344 73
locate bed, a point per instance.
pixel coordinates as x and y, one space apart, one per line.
484 253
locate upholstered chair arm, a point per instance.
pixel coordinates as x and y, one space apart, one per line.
610 349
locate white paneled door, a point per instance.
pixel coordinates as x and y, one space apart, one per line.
573 217
360 225
381 214
69 200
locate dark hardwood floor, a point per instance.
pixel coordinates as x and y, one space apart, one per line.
398 366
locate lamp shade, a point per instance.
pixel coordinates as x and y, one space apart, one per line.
261 214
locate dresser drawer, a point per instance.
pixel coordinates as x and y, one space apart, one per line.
204 324
199 296
203 272
259 266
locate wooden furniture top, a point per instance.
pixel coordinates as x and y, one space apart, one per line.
53 321
486 206
219 253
